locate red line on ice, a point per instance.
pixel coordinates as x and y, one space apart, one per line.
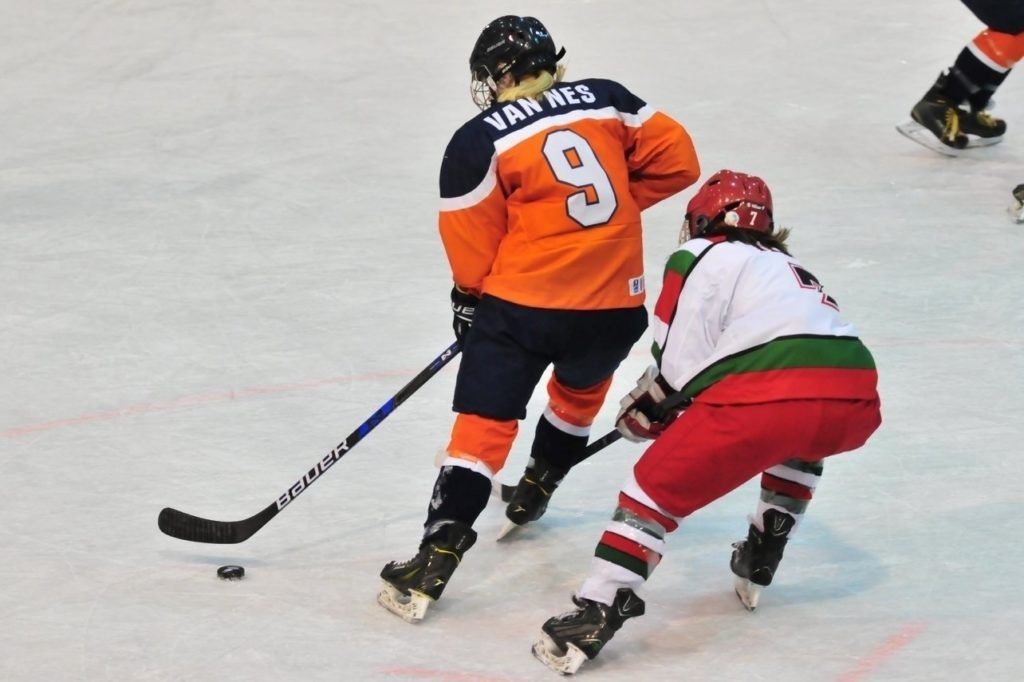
187 401
450 675
201 399
888 648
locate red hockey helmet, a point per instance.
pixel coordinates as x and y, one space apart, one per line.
736 199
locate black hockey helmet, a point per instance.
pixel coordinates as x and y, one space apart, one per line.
512 44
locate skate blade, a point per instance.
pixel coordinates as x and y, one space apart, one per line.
748 593
914 131
411 608
509 529
973 141
548 653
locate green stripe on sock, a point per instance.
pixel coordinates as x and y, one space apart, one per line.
627 561
790 504
815 468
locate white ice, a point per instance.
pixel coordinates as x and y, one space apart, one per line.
219 255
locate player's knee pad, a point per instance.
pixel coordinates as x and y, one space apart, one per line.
483 440
573 409
789 486
999 51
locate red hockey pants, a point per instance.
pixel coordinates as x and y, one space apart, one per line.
713 449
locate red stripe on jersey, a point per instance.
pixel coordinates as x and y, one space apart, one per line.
670 288
643 511
795 383
787 488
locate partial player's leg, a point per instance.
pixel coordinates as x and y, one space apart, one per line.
707 452
634 540
629 550
410 586
571 638
496 378
588 347
559 442
955 108
786 490
999 15
938 113
980 69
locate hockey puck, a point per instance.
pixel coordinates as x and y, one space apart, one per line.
230 572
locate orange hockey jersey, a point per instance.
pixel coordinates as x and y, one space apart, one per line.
541 199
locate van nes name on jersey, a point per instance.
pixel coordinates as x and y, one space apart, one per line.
522 109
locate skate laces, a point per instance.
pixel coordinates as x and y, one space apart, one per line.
986 119
952 128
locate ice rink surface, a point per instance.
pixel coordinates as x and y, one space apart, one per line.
220 255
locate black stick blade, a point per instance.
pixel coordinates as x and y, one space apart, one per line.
184 526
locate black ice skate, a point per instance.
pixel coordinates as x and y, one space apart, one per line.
575 636
410 586
938 123
531 496
935 121
755 559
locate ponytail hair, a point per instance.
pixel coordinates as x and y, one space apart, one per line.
532 86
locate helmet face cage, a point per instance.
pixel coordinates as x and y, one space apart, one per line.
692 228
484 89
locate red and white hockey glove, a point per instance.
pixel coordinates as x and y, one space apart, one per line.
639 418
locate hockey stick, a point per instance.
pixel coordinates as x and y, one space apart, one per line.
184 526
674 401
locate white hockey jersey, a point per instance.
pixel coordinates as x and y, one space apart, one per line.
737 323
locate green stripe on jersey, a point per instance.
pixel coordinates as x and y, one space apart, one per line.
681 261
841 352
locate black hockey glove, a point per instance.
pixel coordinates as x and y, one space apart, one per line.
463 306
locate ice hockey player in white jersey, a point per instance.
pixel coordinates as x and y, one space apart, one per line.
773 380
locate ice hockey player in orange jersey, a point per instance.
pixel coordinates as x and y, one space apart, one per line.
953 115
541 195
